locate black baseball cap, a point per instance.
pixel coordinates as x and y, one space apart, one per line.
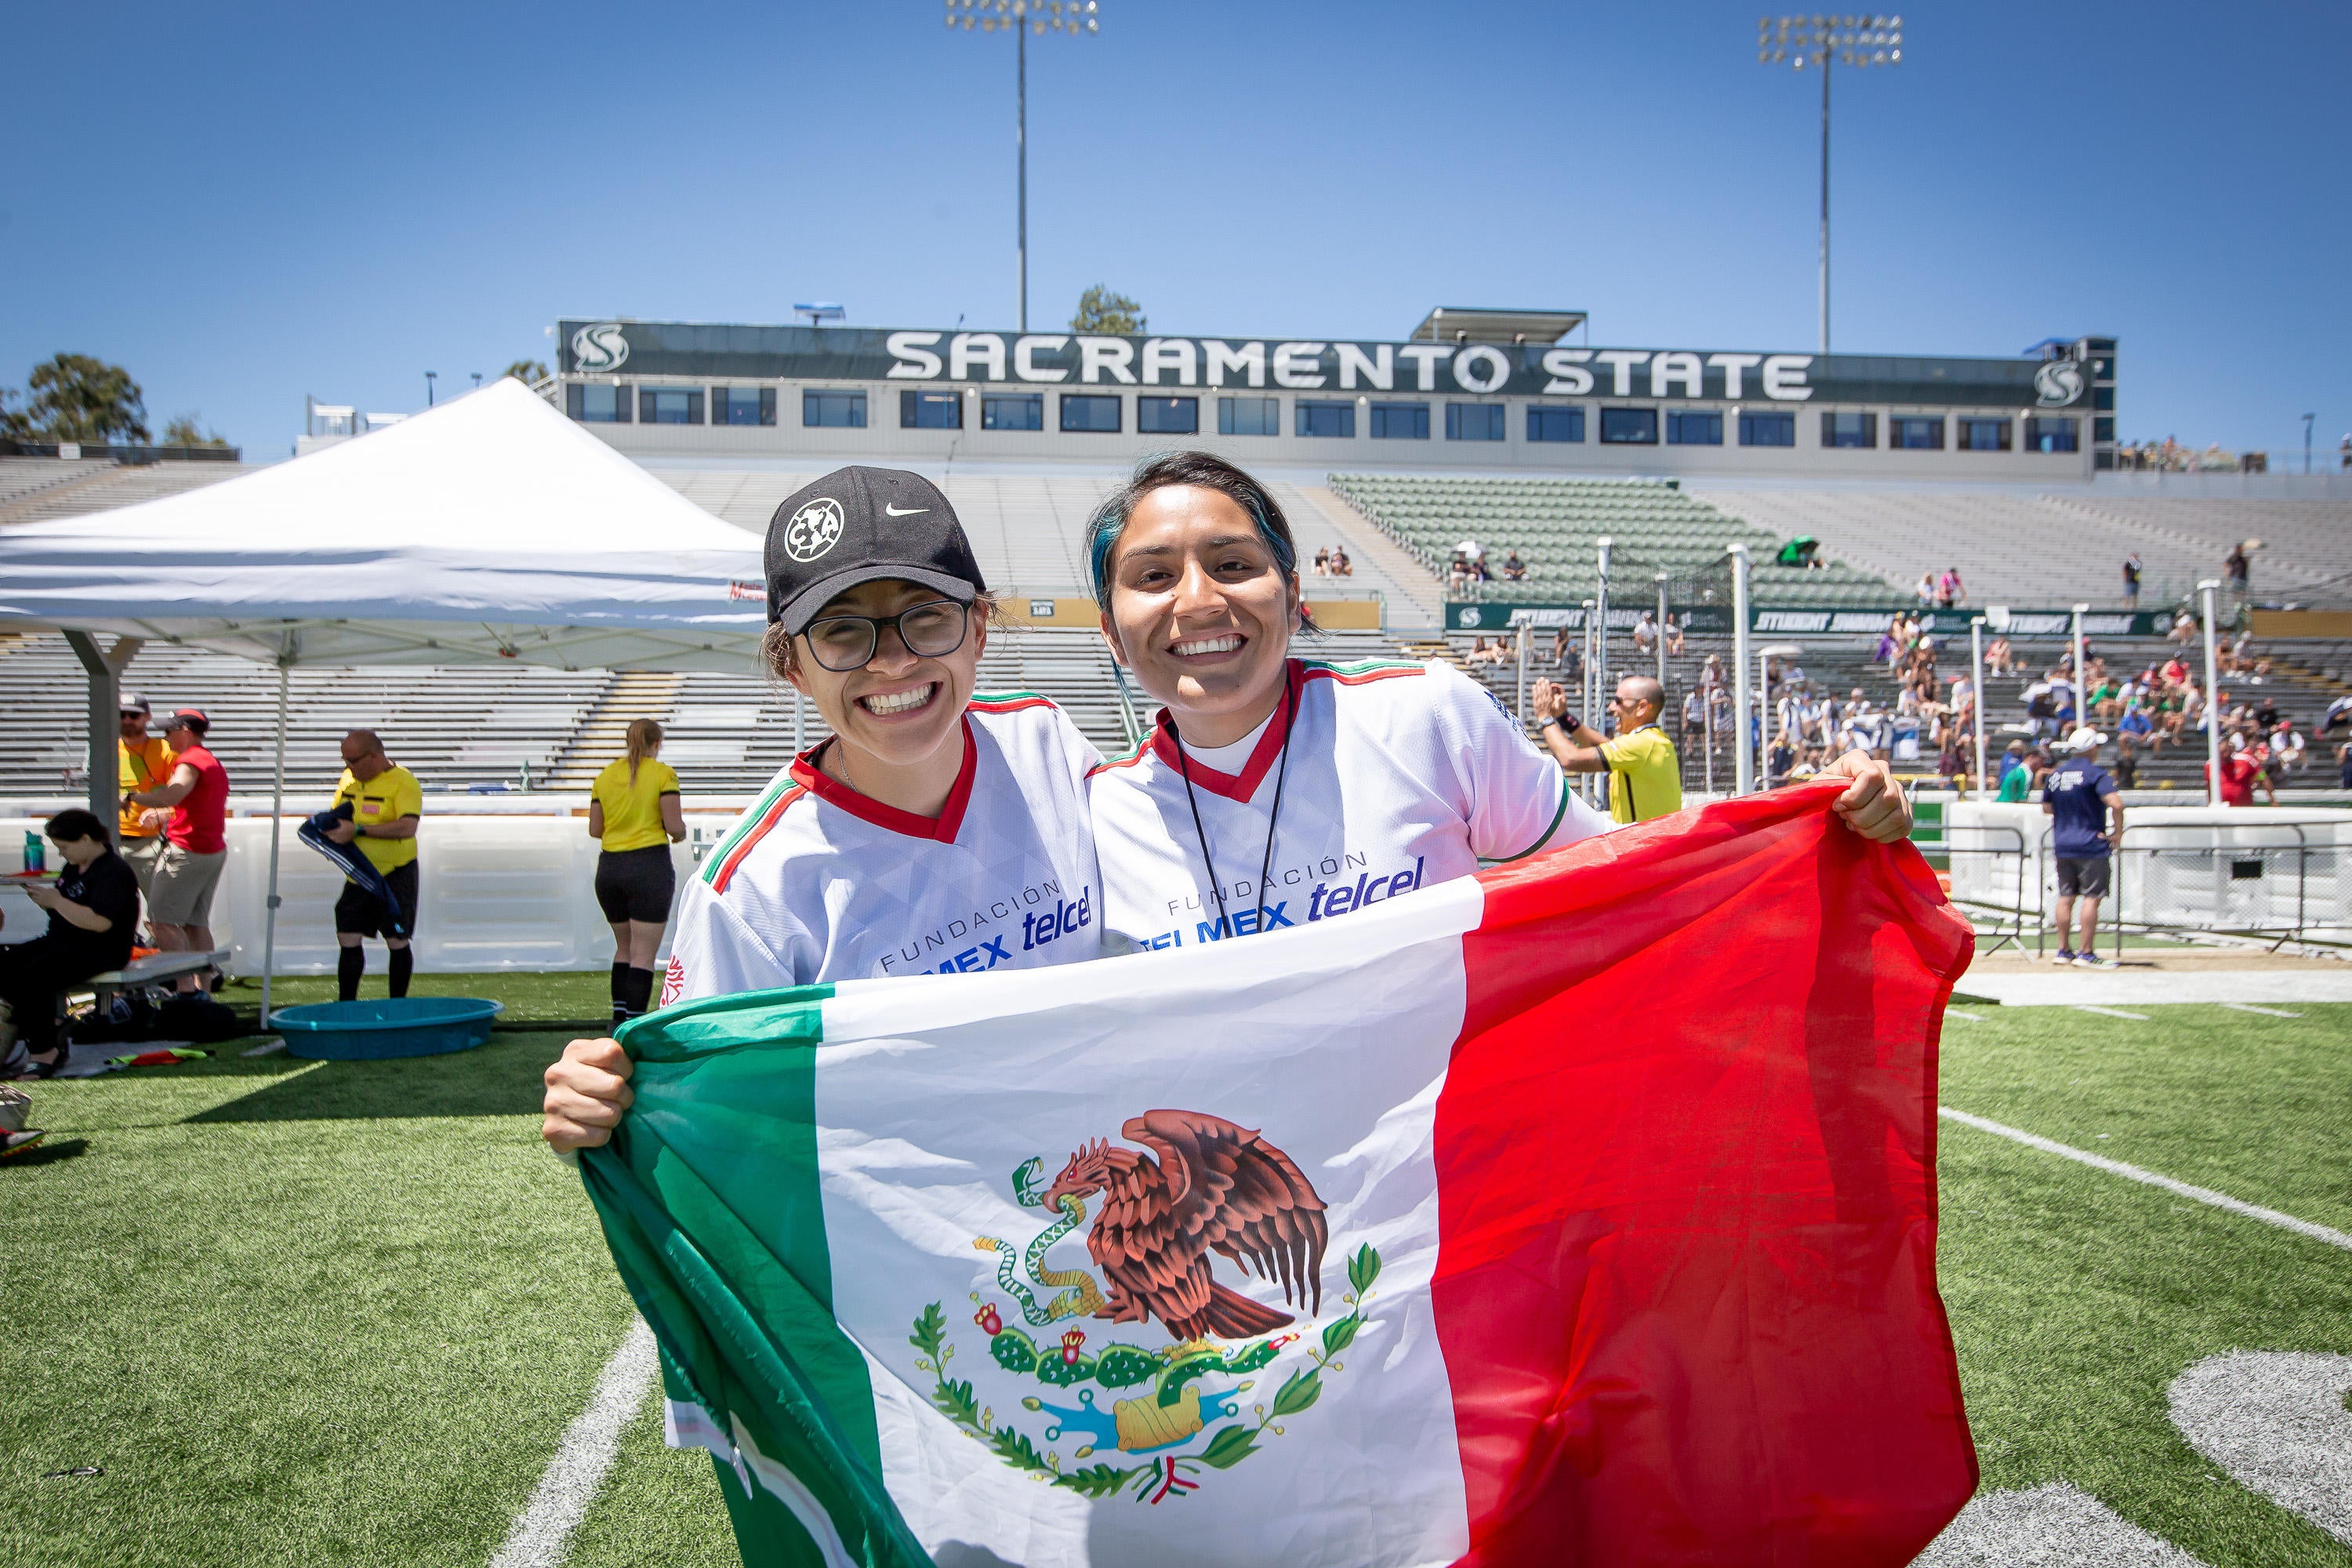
864 525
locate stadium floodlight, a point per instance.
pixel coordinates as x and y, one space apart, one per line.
428 386
1859 42
1022 17
820 312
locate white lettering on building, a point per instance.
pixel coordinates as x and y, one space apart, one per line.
1299 366
915 362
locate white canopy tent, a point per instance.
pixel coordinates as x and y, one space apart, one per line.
488 529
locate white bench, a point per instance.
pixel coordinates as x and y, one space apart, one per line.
152 970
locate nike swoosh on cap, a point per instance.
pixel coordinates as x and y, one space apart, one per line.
905 511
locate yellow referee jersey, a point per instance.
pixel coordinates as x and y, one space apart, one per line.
1646 775
632 810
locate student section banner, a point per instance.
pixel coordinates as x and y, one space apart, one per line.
1714 620
1582 1212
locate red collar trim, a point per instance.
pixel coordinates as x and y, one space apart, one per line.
1234 786
808 772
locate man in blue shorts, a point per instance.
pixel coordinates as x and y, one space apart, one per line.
2078 795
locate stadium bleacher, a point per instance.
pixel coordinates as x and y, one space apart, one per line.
1556 525
40 490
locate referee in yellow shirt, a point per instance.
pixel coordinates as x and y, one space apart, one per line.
635 809
1645 772
386 804
145 763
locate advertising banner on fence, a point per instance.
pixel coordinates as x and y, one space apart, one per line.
1714 620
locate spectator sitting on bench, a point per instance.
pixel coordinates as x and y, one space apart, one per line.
94 909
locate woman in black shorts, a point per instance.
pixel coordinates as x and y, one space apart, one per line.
634 810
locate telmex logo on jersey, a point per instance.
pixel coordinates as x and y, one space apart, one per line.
600 348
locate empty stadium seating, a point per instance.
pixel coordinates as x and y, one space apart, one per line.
1556 526
39 490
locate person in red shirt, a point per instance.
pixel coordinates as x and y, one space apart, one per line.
2241 772
180 902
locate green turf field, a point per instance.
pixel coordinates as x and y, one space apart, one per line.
342 1313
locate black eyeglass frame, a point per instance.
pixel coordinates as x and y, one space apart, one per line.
897 623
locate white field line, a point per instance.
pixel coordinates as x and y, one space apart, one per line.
2055 1522
542 1531
2134 1174
2265 1012
2111 1013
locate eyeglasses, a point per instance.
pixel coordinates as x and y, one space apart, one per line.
930 631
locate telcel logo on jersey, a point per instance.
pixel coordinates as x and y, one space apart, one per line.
813 530
2058 382
1059 921
599 348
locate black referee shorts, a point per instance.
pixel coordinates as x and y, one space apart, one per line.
635 884
362 913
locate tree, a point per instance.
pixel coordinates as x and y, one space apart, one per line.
529 372
77 398
1107 314
183 432
15 425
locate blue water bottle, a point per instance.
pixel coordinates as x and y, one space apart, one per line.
36 852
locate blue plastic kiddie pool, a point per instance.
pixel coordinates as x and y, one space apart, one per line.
372 1031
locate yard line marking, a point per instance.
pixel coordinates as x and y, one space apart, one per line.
2265 1012
2053 1520
1955 1013
2134 1174
543 1530
2111 1011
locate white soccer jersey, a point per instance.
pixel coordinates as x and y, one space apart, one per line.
1398 776
817 883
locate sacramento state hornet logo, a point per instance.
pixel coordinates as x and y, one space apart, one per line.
1149 1420
2058 382
813 530
599 348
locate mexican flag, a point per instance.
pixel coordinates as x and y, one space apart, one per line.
1582 1212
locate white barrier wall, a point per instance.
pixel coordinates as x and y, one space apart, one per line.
2198 867
497 892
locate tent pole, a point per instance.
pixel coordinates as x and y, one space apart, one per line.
104 667
277 805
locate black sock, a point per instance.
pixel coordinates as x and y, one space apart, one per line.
640 995
620 991
403 962
351 962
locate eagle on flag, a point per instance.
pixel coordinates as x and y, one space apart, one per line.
1216 1187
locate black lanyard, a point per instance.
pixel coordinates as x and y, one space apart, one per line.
1282 771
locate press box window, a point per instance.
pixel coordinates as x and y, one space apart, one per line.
1168 415
597 405
1474 421
1399 421
1081 412
2050 433
1326 419
834 410
1984 436
1250 417
1911 433
742 405
1013 411
1630 427
931 411
1768 429
669 406
1849 429
1554 424
1693 428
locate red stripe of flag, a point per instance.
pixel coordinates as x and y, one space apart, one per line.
1686 1155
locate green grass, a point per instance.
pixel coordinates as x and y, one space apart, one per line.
343 1312
529 997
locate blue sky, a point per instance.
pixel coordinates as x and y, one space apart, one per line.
333 199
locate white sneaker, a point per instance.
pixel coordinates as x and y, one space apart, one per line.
2092 960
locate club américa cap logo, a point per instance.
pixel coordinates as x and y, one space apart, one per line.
864 525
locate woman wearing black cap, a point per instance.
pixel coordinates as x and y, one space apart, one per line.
937 832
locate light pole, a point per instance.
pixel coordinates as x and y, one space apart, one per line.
2307 441
1857 41
1023 17
1743 774
428 386
2205 591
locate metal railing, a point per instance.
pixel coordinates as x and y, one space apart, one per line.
2264 882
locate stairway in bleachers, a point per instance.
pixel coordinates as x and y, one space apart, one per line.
44 489
1556 526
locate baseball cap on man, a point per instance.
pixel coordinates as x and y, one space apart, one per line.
194 718
131 702
864 525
